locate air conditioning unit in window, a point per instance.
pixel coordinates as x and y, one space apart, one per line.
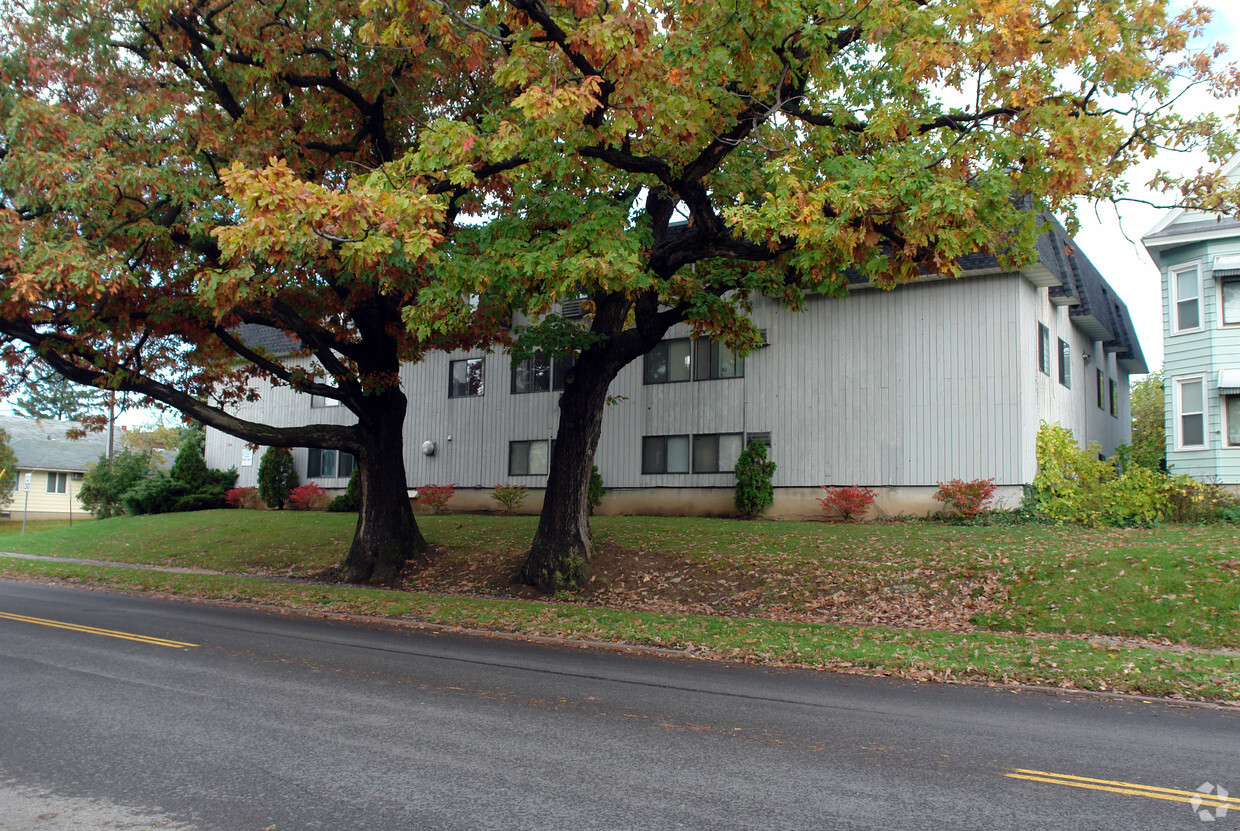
78 476
571 308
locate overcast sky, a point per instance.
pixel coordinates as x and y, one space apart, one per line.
1111 236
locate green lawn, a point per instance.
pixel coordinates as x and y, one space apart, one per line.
920 599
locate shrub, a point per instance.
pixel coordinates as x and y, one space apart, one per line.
1185 499
849 502
1070 483
156 495
190 467
754 493
205 499
436 497
968 498
351 499
309 497
594 497
104 485
242 498
276 476
509 497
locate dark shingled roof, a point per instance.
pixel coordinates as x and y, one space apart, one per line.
267 338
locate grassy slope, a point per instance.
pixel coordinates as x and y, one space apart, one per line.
1176 584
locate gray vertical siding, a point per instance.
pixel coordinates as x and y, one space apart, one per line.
911 387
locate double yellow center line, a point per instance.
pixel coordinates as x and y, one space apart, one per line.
1196 798
91 630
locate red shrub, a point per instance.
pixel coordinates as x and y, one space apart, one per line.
968 498
309 497
436 497
849 502
242 498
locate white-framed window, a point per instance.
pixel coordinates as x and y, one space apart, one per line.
529 458
57 483
1186 299
1190 412
665 454
1231 414
317 401
1065 363
716 452
465 378
1229 291
322 463
1044 349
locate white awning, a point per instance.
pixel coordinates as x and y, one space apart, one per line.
1226 265
1229 382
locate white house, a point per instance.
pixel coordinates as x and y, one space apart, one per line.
1199 256
899 390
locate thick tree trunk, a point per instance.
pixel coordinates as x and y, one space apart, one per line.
559 557
387 535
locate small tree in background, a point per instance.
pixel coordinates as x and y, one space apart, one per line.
190 467
104 485
1149 428
8 468
594 497
277 476
754 493
351 498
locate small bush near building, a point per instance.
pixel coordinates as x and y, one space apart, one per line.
156 495
754 493
104 485
351 499
436 497
242 498
276 476
594 497
309 497
848 503
968 498
509 496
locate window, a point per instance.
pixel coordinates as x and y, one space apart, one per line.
1114 398
317 401
1191 412
1231 410
1102 378
1065 363
1231 300
1044 349
714 360
529 458
669 362
716 453
665 454
1186 294
540 373
465 378
57 483
328 464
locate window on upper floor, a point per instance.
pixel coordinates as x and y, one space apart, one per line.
1065 363
529 458
322 463
1186 295
540 373
1102 379
1190 413
714 360
669 362
465 378
665 454
317 401
1044 349
1230 289
57 483
716 452
1114 398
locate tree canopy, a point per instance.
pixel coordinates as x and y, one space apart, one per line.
352 172
52 396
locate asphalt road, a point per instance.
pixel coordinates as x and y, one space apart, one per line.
275 721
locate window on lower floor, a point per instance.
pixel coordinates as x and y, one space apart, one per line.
1231 411
1044 349
716 453
665 454
1190 403
529 458
328 464
57 483
1114 397
465 378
